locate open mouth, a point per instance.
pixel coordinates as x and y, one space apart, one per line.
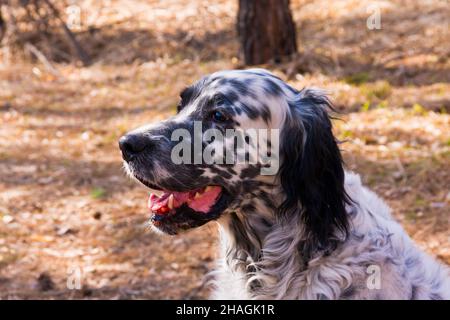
200 200
173 211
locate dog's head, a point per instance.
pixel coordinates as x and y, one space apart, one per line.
236 132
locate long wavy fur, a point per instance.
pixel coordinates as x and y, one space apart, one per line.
312 173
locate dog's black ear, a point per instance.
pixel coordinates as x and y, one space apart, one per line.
312 173
185 97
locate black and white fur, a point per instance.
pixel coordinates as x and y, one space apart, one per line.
310 232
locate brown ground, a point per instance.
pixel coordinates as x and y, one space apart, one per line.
65 202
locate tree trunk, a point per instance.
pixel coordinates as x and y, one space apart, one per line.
266 30
2 24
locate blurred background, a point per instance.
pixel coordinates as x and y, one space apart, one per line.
76 75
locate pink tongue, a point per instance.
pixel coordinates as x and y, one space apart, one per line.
203 203
206 200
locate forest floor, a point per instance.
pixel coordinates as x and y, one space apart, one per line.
66 207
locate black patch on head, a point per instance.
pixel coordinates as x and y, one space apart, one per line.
272 88
231 96
237 110
185 96
265 113
249 82
250 111
239 86
191 92
312 173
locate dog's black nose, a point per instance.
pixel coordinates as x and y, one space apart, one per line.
132 144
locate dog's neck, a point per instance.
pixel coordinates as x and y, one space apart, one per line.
256 243
252 220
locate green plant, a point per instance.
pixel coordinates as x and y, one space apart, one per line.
98 193
380 90
357 78
365 106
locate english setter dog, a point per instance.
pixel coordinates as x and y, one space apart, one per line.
309 231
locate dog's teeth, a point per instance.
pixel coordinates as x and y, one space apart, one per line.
170 202
208 188
197 195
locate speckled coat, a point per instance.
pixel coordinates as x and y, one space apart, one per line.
404 271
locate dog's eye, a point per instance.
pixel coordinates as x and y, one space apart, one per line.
219 116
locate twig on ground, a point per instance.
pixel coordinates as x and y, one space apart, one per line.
401 169
41 57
